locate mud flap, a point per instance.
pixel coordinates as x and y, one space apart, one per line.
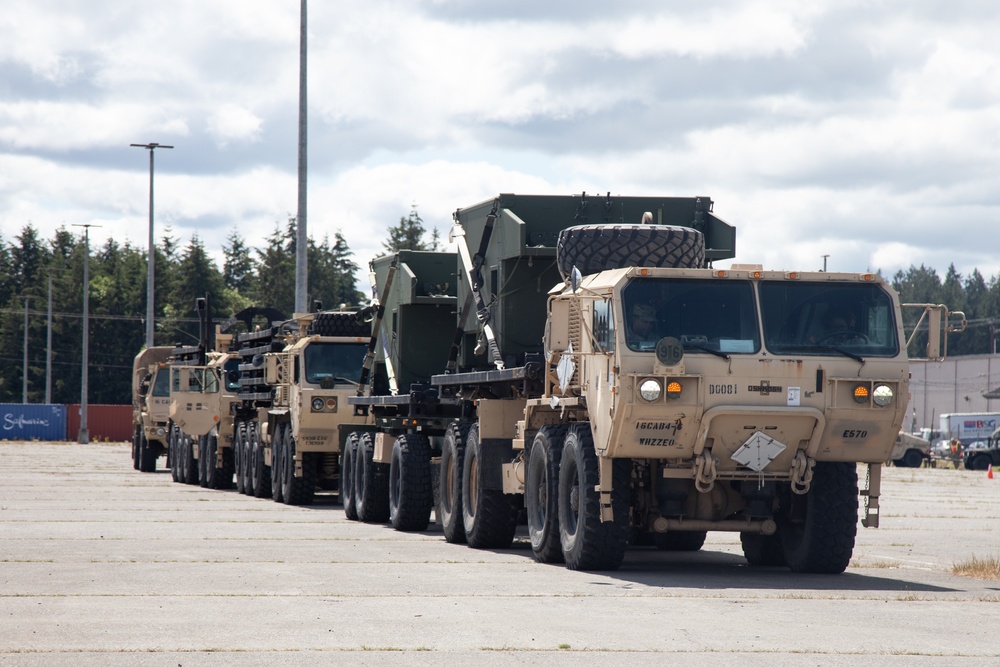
495 453
606 475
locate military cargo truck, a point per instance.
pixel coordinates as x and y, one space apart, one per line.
150 407
616 388
294 379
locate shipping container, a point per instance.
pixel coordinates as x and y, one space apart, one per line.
19 421
104 422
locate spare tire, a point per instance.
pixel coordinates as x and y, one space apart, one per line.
339 324
594 248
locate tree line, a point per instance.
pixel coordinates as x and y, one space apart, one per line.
250 277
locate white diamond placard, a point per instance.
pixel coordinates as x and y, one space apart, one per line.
758 451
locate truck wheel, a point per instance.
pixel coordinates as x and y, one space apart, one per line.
260 473
239 437
411 495
277 460
136 439
488 515
449 511
147 455
208 454
541 498
587 542
347 459
819 536
594 248
762 550
371 483
190 465
680 540
913 458
296 490
225 473
339 324
203 461
981 462
248 458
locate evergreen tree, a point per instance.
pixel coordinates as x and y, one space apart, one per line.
238 267
407 235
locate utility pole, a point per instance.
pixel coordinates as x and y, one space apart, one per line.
301 236
150 262
48 349
84 436
24 385
824 263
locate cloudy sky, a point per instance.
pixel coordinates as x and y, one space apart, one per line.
868 131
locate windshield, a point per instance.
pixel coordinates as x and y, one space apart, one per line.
334 360
813 318
705 315
161 385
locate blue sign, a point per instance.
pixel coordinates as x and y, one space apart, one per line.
32 422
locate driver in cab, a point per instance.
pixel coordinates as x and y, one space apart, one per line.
643 327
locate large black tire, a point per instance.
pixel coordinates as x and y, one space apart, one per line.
594 248
818 530
449 510
203 461
587 542
295 490
762 550
411 494
224 474
189 464
541 496
913 458
136 441
260 472
277 459
347 463
339 324
173 454
680 540
371 483
980 462
208 454
147 455
489 516
239 457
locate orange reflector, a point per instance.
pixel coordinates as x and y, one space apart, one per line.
721 274
861 393
644 272
869 277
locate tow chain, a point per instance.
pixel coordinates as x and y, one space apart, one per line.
705 472
802 473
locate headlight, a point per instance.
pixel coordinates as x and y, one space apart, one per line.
882 395
317 405
650 390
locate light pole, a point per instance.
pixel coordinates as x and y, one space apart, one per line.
84 435
151 147
48 349
301 236
24 385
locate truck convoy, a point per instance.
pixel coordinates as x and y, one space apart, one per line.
579 363
605 381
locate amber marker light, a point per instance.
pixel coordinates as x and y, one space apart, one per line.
673 389
722 274
794 275
861 393
757 274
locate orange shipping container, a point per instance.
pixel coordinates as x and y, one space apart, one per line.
104 422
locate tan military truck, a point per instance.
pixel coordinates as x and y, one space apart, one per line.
910 451
150 407
646 397
294 381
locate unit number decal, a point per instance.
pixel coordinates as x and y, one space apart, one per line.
728 389
854 434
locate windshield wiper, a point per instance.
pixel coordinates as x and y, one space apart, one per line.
705 348
838 350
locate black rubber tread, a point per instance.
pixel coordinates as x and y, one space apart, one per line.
136 440
347 459
762 550
680 540
371 483
980 462
913 458
277 460
296 490
541 495
248 458
594 248
411 495
823 542
173 458
226 472
189 464
587 542
339 324
147 455
203 461
260 472
449 508
239 462
209 454
489 516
